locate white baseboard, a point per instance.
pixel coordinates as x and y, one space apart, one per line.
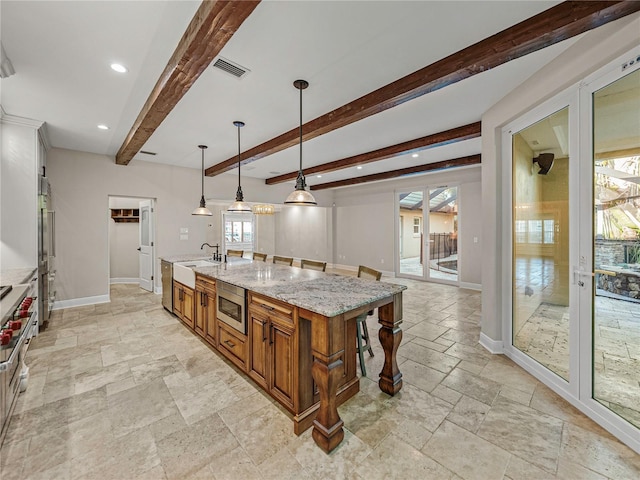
351 268
493 346
157 289
124 280
471 286
80 302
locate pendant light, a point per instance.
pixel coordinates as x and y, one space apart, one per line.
300 196
239 205
263 209
202 209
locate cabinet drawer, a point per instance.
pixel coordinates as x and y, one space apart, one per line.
272 307
232 345
206 284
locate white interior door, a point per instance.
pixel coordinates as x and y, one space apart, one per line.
146 243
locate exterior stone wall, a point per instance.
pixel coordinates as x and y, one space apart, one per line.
611 252
626 284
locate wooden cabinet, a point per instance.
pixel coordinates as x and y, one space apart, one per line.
273 349
183 303
233 345
127 215
205 318
276 352
281 362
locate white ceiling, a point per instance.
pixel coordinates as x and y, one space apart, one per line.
61 52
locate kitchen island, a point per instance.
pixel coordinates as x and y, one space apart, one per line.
300 342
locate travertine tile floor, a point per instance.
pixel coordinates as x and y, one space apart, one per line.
123 391
616 377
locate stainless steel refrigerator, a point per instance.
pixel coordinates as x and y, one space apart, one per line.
46 252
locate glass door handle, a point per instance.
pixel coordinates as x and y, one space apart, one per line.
577 274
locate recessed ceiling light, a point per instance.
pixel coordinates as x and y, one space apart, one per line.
359 167
119 68
103 127
415 155
318 176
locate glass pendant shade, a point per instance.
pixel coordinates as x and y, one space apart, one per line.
300 196
239 205
202 209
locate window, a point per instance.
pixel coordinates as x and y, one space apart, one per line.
236 231
548 231
535 231
521 231
416 226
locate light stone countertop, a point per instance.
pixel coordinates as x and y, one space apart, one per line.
324 293
185 257
16 276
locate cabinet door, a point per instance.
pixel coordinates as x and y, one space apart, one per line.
177 299
187 306
200 312
258 346
210 318
282 374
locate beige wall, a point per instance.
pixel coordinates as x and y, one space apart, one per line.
410 242
591 52
304 232
82 183
527 188
440 222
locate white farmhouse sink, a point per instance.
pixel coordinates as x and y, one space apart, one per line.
183 271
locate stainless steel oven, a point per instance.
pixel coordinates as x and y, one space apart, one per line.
231 305
19 319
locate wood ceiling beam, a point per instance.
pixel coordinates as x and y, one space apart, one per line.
554 25
429 167
212 26
447 137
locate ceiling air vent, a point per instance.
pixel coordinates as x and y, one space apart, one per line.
147 153
230 67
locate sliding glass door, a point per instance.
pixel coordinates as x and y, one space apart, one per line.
615 298
443 233
410 244
573 246
427 234
540 245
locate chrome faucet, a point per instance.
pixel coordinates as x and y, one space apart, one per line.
216 257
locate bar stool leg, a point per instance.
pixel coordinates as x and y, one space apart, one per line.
359 322
365 336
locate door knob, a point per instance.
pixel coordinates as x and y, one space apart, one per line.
139 248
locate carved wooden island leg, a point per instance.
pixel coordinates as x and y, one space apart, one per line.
390 335
327 370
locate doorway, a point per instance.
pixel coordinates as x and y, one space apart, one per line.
573 196
131 241
427 234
